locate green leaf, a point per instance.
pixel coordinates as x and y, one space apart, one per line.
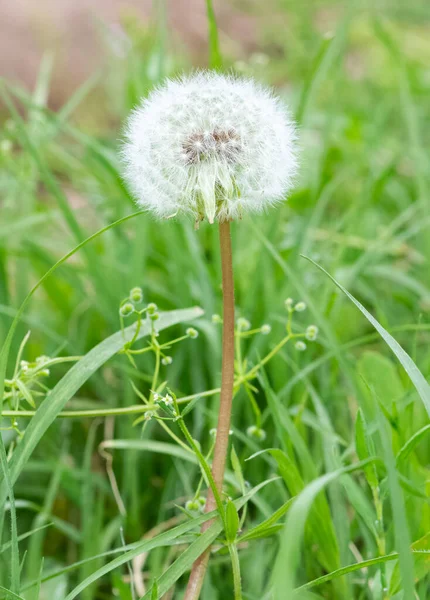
215 60
154 591
190 406
231 522
9 594
405 451
186 559
289 553
320 530
237 469
73 381
421 551
364 448
26 393
267 527
415 375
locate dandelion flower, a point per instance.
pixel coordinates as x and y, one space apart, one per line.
209 145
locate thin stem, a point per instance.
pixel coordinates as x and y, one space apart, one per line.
102 412
232 548
226 397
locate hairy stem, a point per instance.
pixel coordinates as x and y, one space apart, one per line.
227 379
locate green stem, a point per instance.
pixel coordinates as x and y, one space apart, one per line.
103 412
205 467
232 548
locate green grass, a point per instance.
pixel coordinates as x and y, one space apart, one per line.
336 499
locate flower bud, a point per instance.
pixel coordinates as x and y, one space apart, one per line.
151 308
256 432
266 329
192 506
300 346
154 316
192 333
166 360
289 303
311 333
126 309
300 307
216 319
136 295
243 324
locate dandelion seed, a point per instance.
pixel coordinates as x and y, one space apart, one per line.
210 145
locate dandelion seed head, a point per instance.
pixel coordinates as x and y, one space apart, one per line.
210 145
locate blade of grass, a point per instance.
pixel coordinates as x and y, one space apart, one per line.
415 375
288 556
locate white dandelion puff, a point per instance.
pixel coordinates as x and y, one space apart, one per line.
210 145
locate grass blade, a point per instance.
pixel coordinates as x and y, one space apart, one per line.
415 375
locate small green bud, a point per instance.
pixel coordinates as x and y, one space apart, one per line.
212 432
192 333
192 506
166 360
300 307
300 346
243 324
151 308
154 316
126 309
136 295
41 360
149 415
266 329
216 319
289 303
256 432
311 333
202 502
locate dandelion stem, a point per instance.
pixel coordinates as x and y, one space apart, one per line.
226 397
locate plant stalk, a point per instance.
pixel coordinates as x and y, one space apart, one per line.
226 397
